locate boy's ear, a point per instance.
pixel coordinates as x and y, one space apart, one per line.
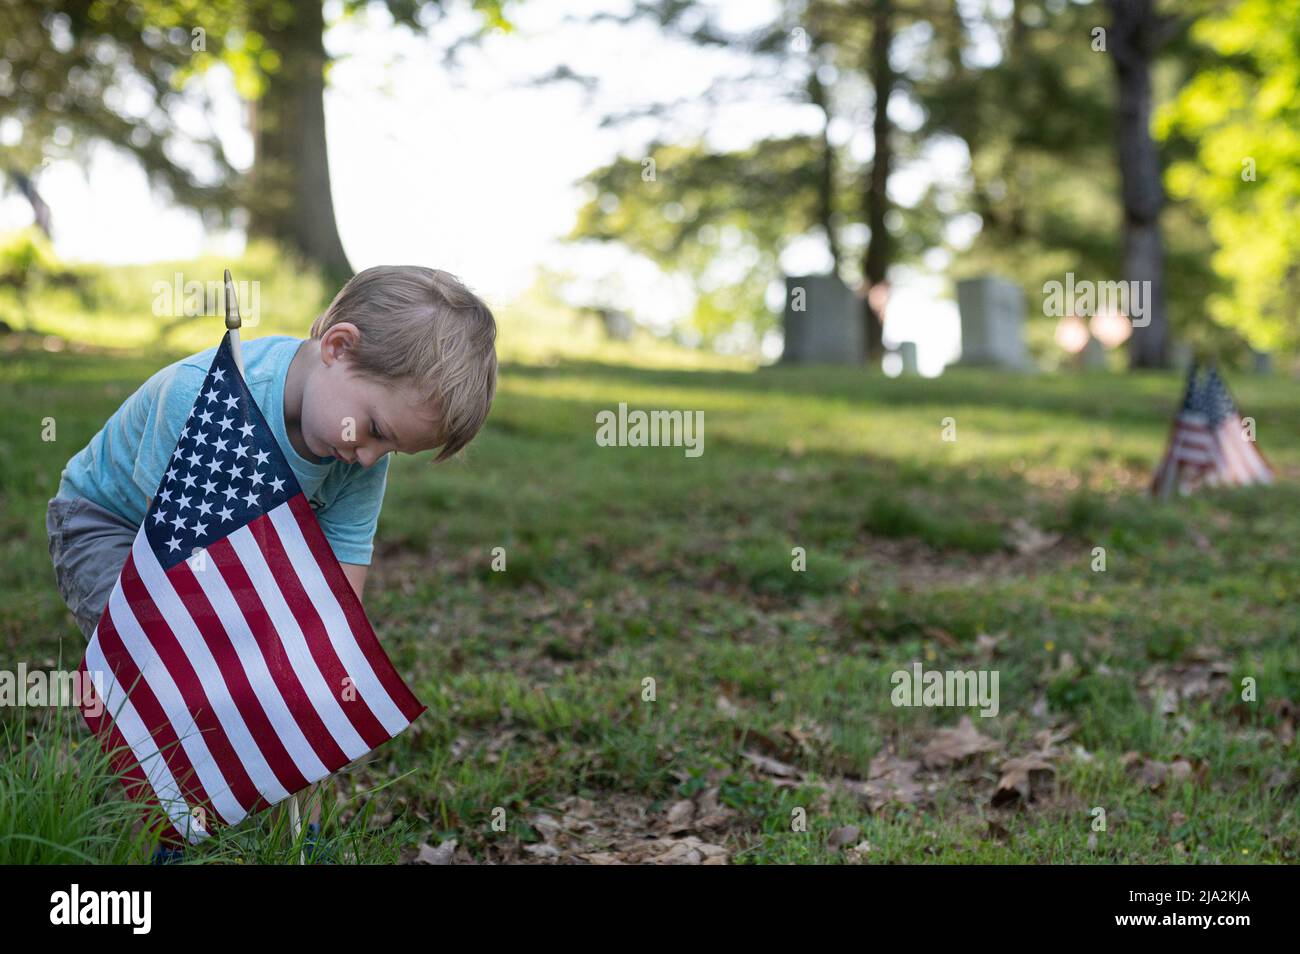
338 340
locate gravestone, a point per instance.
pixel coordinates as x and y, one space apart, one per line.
823 321
907 351
992 323
617 325
1094 355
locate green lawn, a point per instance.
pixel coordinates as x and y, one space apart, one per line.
1119 689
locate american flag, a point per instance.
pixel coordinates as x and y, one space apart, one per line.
1209 443
238 665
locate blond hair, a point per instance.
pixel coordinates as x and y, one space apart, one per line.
422 327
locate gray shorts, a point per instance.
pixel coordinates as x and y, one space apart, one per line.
89 546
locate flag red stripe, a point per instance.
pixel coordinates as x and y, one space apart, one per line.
336 675
362 631
224 557
228 662
169 650
151 713
134 781
119 753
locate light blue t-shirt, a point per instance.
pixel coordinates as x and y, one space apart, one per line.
121 467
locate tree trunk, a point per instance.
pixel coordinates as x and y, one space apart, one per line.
875 265
1132 44
40 211
826 172
289 197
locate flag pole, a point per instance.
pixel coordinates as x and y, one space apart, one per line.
232 325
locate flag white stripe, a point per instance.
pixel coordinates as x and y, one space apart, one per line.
1240 451
1236 468
259 676
336 622
195 647
295 645
159 678
118 708
1252 464
1262 472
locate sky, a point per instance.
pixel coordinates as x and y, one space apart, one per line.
475 172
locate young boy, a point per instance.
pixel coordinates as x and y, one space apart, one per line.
404 359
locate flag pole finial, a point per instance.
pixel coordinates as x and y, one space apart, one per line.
232 304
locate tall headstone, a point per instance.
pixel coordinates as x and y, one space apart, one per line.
992 323
907 352
823 321
618 324
1094 355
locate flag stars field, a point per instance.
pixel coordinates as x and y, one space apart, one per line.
207 470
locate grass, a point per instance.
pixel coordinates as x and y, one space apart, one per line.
649 674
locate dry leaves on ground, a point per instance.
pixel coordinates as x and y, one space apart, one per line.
620 829
1030 777
1287 713
955 744
1027 539
1155 775
444 854
1170 686
890 780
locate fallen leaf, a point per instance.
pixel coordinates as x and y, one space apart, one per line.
859 851
442 855
665 851
844 836
1153 775
955 744
543 850
889 780
1024 780
1168 686
1027 539
680 815
710 814
771 766
1287 713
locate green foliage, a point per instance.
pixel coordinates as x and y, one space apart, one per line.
1241 117
719 219
25 256
137 307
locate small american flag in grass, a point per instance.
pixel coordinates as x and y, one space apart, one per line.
238 664
1208 442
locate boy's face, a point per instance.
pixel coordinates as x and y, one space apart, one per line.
358 420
